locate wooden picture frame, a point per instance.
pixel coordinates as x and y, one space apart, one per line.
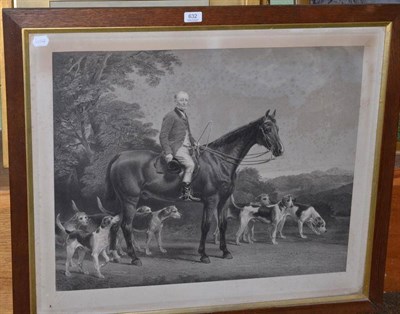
4 158
127 3
27 31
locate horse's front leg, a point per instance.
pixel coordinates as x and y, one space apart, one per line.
113 247
129 211
216 232
209 208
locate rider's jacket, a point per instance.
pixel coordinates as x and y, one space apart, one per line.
174 128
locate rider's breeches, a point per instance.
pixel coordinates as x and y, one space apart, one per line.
184 157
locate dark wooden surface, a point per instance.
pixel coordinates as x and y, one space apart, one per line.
14 21
17 164
392 278
5 242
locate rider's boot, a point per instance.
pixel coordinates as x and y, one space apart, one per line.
187 193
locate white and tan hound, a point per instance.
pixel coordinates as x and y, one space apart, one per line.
120 237
234 213
96 242
249 234
152 223
303 214
78 221
269 214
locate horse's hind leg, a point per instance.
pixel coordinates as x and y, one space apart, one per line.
129 211
222 225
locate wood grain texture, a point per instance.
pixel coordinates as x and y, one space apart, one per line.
17 164
15 20
3 4
5 244
5 254
387 159
392 278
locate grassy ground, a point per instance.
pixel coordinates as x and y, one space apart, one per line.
292 256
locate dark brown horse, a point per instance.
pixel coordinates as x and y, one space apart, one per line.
131 175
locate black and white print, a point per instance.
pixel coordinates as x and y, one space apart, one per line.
277 135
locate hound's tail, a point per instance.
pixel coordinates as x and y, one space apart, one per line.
60 226
110 192
101 208
234 204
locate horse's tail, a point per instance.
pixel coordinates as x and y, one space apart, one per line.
234 204
110 192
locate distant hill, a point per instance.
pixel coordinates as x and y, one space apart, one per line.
336 202
311 183
330 192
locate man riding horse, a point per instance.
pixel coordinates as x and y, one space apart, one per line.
177 141
132 176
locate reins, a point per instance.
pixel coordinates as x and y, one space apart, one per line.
248 160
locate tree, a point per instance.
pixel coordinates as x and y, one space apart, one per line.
249 185
120 129
89 121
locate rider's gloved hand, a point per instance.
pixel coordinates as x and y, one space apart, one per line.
169 157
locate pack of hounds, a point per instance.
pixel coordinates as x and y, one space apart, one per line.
90 233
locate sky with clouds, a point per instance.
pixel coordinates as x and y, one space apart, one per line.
315 91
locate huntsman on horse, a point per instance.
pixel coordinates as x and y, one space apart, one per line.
131 175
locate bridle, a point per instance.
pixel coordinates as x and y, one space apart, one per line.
248 160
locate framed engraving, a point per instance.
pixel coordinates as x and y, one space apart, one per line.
138 134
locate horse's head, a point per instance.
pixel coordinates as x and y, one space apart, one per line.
268 134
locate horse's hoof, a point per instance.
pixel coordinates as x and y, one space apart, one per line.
205 259
136 262
227 255
116 260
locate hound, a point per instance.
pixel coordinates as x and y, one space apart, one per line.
95 242
261 200
78 221
120 236
152 223
140 210
303 214
269 214
235 212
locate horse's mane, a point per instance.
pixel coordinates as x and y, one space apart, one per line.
233 135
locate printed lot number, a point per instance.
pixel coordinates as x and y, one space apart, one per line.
193 17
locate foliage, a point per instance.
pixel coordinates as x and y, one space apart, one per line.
120 129
90 123
249 185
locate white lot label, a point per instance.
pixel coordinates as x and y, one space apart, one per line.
193 17
40 41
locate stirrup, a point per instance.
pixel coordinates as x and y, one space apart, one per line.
189 197
187 194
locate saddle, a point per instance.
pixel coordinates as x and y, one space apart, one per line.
173 167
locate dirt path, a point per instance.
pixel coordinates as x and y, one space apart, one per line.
292 256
